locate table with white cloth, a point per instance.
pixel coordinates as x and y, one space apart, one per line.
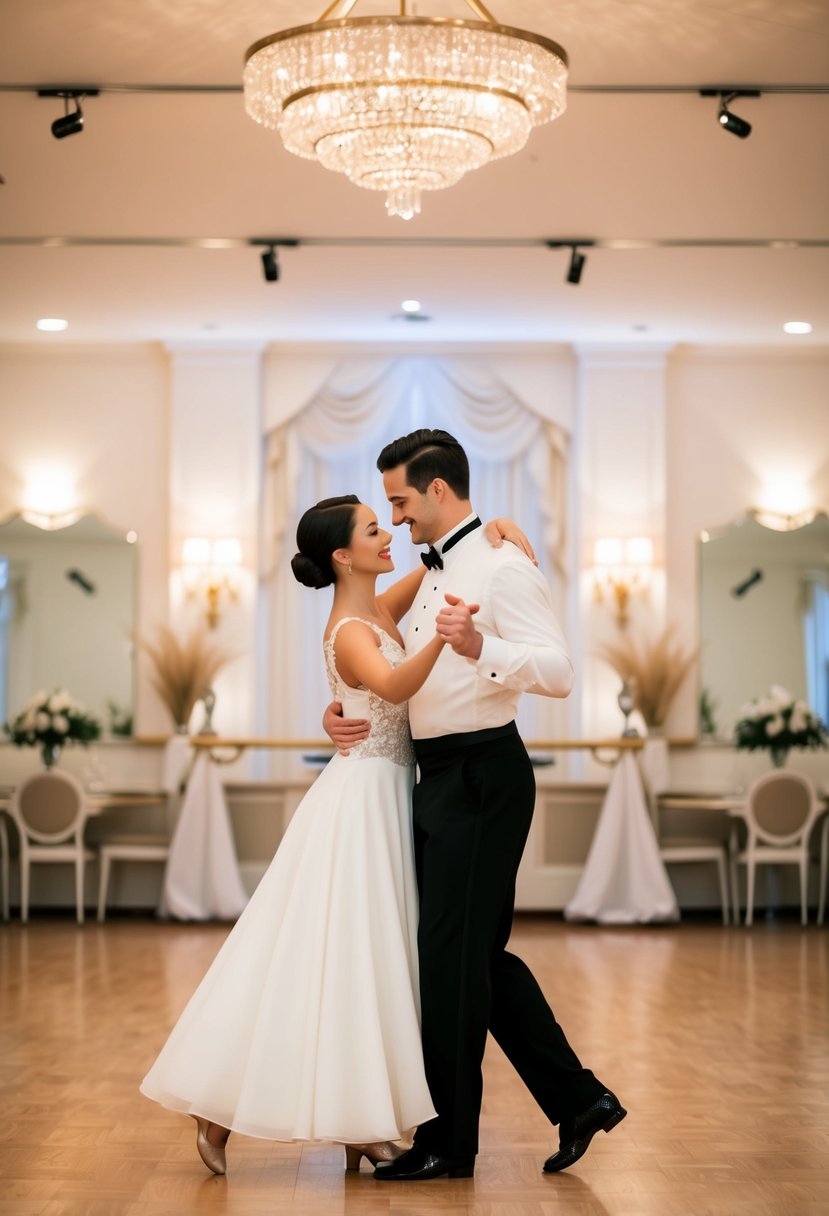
624 881
202 879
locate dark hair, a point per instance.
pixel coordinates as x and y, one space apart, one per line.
427 455
323 528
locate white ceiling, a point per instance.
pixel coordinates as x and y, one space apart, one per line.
613 167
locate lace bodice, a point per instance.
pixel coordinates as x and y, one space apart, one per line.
390 737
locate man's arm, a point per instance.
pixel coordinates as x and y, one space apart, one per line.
529 653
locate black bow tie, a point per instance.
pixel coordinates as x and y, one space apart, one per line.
431 559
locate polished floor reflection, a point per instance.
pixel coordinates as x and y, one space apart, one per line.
716 1040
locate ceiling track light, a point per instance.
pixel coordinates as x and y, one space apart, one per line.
728 121
576 266
577 259
732 122
71 121
269 246
270 265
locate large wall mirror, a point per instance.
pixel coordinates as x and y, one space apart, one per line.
764 616
67 615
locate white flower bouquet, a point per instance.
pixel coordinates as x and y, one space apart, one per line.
778 722
50 720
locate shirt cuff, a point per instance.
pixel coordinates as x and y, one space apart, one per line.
492 663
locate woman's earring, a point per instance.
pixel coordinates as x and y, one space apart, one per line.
349 565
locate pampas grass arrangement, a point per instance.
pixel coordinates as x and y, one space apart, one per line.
654 668
183 670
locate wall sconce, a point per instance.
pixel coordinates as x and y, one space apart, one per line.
211 572
50 501
622 569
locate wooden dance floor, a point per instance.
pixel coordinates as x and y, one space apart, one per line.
717 1041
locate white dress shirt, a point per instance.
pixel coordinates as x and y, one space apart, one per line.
523 647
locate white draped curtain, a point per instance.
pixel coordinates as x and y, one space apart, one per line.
518 462
816 633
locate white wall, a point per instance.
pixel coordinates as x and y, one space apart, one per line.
736 424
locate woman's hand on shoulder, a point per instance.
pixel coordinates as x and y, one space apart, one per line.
500 529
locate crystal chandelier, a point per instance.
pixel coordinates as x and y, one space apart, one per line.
403 103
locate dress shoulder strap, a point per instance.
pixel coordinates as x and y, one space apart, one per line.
344 621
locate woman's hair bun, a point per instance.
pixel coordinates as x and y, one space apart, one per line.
307 572
322 529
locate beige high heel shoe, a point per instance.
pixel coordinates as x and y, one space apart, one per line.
212 1156
384 1150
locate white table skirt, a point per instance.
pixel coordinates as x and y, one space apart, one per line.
624 881
202 879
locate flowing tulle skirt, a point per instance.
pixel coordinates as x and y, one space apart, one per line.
306 1026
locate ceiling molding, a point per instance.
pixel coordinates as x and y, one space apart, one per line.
624 244
50 89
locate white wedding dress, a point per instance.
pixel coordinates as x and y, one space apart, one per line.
307 1024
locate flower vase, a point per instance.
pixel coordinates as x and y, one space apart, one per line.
779 756
50 752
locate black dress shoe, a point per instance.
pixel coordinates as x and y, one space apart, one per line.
418 1164
575 1134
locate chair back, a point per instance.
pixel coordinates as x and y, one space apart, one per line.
48 807
781 807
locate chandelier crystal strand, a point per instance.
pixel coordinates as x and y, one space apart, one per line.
404 104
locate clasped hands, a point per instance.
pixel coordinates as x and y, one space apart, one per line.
455 625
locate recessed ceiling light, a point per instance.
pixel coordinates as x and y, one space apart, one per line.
52 325
797 327
411 305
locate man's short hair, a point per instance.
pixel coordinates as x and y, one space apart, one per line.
428 454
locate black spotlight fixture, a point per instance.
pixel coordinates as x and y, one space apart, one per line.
728 121
71 121
576 266
270 265
732 122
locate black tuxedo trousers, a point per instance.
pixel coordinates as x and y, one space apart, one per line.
473 805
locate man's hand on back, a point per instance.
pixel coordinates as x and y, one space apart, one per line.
344 732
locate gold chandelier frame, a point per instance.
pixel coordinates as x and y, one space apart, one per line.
488 26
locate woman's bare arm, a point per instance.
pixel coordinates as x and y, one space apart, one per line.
360 662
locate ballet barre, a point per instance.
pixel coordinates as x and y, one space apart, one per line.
236 746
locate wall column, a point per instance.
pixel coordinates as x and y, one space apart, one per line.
215 461
620 472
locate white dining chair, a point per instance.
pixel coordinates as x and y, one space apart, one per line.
49 813
143 847
701 848
688 850
780 811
